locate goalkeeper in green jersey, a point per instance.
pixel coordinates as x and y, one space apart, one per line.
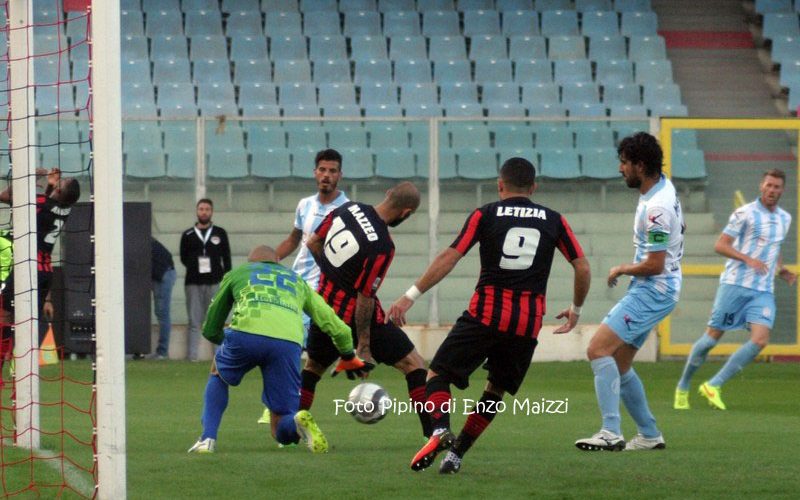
266 331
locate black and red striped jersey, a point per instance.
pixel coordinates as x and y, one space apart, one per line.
356 255
50 219
518 239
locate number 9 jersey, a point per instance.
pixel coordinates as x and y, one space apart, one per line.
518 239
356 255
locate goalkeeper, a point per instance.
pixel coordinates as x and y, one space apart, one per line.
266 331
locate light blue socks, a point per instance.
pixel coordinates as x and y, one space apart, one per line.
736 362
632 392
606 386
696 358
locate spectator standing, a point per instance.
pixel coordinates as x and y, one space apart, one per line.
163 275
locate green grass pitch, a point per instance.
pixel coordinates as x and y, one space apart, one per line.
748 451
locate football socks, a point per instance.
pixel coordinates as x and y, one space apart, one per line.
606 385
696 358
216 400
308 385
738 360
632 392
415 381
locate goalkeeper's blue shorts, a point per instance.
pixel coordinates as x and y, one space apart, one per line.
278 359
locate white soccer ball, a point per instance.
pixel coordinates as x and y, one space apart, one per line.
368 403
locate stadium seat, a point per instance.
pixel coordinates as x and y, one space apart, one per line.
251 6
468 135
632 5
362 23
785 49
331 94
780 24
621 94
378 93
447 165
395 163
342 110
481 23
306 136
407 47
271 163
145 163
477 164
527 47
600 163
282 23
548 138
514 5
131 23
155 5
243 23
359 163
412 71
211 71
63 154
418 93
493 70
169 47
790 73
423 110
294 94
464 110
178 134
314 5
291 70
321 23
440 23
543 92
227 164
368 48
512 136
585 6
50 70
567 47
231 137
647 48
572 71
639 24
177 100
303 162
372 71
543 5
683 139
134 134
594 138
546 110
134 47
386 110
447 48
394 5
600 24
346 136
607 48
435 5
499 93
245 48
669 109
203 22
465 5
658 71
387 135
208 47
520 23
488 47
291 47
627 111
252 71
768 6
533 71
215 99
324 48
332 71
181 163
559 23
358 5
560 164
138 101
587 110
505 109
689 164
452 71
264 135
458 93
401 23
614 72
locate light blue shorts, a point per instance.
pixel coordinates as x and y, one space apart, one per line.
637 313
736 306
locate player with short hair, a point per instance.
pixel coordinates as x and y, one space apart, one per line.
353 249
308 215
745 298
266 331
652 295
518 239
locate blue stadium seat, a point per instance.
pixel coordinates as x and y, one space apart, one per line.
465 5
264 135
493 70
314 5
418 93
358 5
477 164
647 48
794 99
282 23
384 135
780 24
543 5
447 48
632 5
767 6
423 110
548 138
684 139
401 23
211 71
592 5
331 94
171 71
507 5
181 163
134 47
464 110
368 48
572 71
500 93
560 23
248 48
468 135
481 22
407 47
279 6
546 110
785 49
297 94
58 132
458 93
395 163
359 163
68 156
50 100
260 110
50 70
188 5
156 5
587 110
435 5
208 47
527 47
600 23
332 71
321 23
244 23
600 163
543 92
306 136
668 93
505 109
627 111
520 23
145 162
342 110
291 47
215 99
375 94
607 48
594 138
622 93
387 110
611 72
251 6
303 162
689 164
324 48
452 71
533 71
488 47
131 23
447 165
440 23
394 5
567 47
291 70
790 73
362 23
138 101
658 71
203 22
639 24
668 109
412 71
345 136
130 5
252 71
560 164
228 164
231 137
373 71
271 163
512 136
178 134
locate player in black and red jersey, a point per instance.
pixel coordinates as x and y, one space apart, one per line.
518 239
353 249
52 208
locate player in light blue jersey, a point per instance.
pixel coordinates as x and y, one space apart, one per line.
653 292
752 243
310 212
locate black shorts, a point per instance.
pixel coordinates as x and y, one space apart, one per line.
387 342
44 280
469 344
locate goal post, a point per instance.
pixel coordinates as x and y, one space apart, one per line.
669 345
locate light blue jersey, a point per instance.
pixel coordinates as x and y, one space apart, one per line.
309 214
757 233
659 226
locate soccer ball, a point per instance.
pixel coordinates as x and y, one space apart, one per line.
368 403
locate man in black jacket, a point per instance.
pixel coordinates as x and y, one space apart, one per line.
163 276
206 253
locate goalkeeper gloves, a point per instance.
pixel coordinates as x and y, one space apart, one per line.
354 366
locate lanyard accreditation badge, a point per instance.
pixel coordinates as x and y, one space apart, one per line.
203 261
